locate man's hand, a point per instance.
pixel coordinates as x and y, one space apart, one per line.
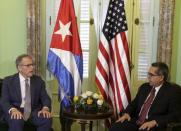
124 117
148 125
44 112
16 114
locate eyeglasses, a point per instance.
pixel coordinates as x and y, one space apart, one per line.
152 75
28 65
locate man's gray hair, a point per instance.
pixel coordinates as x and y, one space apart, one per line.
19 59
162 69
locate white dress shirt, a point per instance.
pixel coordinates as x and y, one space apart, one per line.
22 87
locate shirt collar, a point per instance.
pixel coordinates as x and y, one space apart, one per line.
21 77
158 87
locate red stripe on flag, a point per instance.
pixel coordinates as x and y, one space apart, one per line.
112 86
116 86
101 89
104 52
125 46
122 72
102 71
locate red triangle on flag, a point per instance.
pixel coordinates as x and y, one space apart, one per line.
65 35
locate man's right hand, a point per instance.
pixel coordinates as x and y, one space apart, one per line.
124 117
16 114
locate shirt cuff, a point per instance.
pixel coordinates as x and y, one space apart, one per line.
45 108
11 110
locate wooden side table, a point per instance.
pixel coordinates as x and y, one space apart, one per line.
84 118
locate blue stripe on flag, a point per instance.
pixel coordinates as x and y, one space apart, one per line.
79 63
63 76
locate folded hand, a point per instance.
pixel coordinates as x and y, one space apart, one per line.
124 117
44 113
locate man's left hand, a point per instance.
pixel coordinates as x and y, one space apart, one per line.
148 125
44 112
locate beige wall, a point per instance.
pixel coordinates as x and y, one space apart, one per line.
176 51
12 34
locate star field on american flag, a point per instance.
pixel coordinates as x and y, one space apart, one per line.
115 20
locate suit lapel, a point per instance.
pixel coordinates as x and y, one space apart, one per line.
146 94
17 86
32 87
158 96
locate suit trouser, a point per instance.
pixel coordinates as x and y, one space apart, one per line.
127 126
42 124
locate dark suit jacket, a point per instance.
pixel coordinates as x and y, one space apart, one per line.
0 96
11 93
163 108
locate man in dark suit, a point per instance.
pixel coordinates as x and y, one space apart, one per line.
24 98
139 115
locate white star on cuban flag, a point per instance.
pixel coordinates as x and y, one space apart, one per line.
64 30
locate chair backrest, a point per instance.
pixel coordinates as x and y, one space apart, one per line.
1 82
178 94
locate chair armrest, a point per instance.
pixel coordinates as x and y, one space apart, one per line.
172 125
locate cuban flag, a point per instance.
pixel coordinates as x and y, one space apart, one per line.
65 59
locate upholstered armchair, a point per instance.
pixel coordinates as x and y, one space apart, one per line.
177 125
3 125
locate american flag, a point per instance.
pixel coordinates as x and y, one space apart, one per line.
113 63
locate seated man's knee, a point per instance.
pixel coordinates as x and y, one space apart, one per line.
47 121
17 122
43 121
115 127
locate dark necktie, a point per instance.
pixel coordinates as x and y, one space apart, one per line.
146 106
27 106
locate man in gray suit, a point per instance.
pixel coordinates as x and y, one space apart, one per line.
24 98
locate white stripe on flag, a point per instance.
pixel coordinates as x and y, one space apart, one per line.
123 58
105 43
66 58
120 83
118 90
102 81
103 62
112 88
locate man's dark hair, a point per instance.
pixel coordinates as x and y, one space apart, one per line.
162 69
20 57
